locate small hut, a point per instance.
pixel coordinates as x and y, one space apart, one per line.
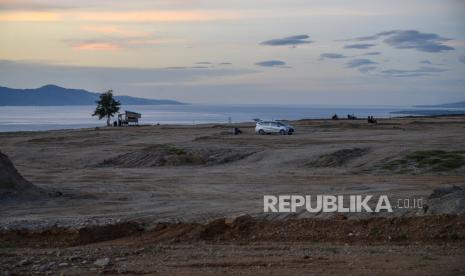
129 117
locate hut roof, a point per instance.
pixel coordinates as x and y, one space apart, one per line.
133 114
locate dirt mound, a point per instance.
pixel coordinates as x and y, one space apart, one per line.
379 230
426 161
12 184
407 229
57 237
170 155
446 200
337 158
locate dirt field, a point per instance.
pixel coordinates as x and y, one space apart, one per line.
142 178
423 245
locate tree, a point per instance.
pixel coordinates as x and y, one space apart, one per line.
107 106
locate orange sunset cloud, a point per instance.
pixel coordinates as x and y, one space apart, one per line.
153 16
99 46
113 30
126 16
29 16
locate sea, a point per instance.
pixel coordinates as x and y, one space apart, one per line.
38 118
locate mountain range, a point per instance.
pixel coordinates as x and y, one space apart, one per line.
53 95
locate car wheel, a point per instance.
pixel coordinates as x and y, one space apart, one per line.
282 132
261 132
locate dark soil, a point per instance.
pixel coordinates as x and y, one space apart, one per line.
423 229
337 158
170 155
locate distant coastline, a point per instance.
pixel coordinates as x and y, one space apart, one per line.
53 95
449 109
426 113
447 105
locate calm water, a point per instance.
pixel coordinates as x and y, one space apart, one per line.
31 118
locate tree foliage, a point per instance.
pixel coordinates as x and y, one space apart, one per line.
107 106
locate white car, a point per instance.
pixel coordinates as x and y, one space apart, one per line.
266 127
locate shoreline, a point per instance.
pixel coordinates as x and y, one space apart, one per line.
75 117
236 123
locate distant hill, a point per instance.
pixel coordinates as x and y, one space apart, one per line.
427 112
447 105
52 95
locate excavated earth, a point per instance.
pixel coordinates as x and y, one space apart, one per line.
188 200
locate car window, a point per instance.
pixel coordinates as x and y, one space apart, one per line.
274 124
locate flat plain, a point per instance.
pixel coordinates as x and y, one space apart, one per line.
199 180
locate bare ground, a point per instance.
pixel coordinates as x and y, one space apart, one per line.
108 177
425 245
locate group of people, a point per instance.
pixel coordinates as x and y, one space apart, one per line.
118 123
351 117
237 131
371 119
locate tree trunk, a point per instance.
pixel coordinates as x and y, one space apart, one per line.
108 120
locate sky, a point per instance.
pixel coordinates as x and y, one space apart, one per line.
364 52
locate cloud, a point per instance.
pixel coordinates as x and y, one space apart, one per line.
113 30
462 58
419 41
271 63
359 62
155 16
359 46
429 62
33 5
186 67
366 69
25 74
291 40
331 56
422 71
372 54
139 16
118 42
27 16
95 45
409 75
411 39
